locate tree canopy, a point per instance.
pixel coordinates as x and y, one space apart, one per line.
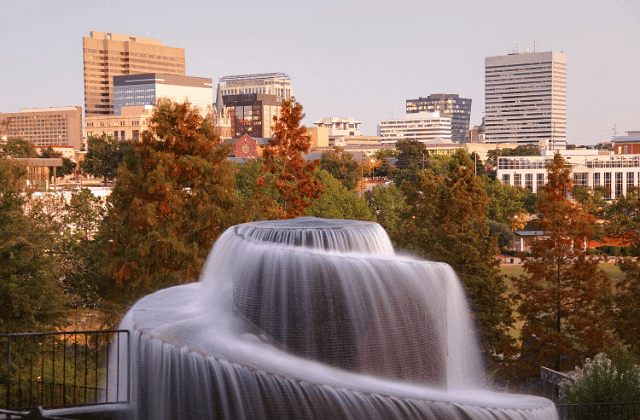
336 202
341 166
104 155
173 197
31 298
287 185
445 220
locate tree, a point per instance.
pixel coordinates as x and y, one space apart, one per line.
173 197
504 202
337 202
68 166
388 203
445 220
562 291
412 153
287 186
31 297
18 148
341 166
103 157
624 221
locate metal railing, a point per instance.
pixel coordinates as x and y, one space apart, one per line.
600 411
64 369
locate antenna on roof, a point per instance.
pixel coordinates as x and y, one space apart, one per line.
534 45
615 132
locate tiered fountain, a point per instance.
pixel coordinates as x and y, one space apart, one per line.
313 318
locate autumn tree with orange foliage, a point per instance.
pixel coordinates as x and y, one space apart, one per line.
173 197
287 185
562 292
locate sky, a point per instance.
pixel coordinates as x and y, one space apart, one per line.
360 59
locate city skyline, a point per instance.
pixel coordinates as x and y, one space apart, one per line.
360 60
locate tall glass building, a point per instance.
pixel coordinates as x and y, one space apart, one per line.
526 99
448 105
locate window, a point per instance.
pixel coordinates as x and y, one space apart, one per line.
528 182
596 180
618 184
630 180
607 185
516 180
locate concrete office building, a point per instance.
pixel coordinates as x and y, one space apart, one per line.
106 55
277 84
615 173
526 99
448 105
339 128
146 88
424 127
128 126
46 127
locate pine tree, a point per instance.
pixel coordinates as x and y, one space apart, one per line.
287 186
561 290
173 197
446 221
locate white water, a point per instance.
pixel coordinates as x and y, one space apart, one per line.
313 319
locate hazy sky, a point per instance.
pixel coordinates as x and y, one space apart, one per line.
360 59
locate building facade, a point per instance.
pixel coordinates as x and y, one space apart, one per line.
46 127
128 126
146 88
614 174
339 128
252 113
448 105
629 144
106 55
424 127
277 84
526 99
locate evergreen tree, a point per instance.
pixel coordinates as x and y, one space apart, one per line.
287 186
445 220
560 292
173 197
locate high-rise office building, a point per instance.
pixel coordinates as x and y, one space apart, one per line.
526 99
448 105
106 55
146 88
46 127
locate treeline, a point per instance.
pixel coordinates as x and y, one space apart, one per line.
175 192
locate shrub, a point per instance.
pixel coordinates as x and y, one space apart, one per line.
601 381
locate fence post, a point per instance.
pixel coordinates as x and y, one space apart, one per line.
8 372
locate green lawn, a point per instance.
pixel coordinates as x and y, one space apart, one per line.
610 268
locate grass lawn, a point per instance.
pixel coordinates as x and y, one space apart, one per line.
608 267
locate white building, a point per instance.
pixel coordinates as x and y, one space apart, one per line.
616 173
424 127
526 99
147 88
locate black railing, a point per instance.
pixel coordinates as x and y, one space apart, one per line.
600 411
64 369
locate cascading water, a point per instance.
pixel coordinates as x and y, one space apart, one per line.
313 318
